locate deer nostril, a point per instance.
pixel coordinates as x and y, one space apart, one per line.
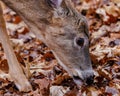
90 80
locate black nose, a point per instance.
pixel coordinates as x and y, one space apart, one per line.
90 80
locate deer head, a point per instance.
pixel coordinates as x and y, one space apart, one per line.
63 29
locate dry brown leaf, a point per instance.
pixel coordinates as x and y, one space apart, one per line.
112 9
4 66
17 19
104 73
112 90
44 85
58 90
60 78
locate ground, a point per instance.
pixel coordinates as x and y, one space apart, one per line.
47 77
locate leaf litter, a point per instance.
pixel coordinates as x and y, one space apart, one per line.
50 79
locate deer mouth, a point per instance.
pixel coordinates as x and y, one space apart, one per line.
84 77
78 80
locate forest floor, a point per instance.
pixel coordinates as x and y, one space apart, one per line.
47 77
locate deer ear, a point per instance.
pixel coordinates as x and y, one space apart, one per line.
55 3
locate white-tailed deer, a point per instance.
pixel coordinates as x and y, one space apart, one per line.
61 28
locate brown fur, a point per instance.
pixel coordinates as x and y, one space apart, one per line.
58 28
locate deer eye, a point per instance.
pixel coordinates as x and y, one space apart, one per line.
80 41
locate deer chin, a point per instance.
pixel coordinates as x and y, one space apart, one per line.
78 82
